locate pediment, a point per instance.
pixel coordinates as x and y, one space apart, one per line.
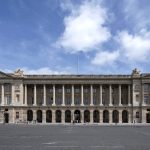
4 75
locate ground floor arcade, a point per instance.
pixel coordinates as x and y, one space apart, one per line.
74 115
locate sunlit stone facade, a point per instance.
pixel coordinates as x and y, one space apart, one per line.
74 98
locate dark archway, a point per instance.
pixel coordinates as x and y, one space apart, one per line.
29 115
48 116
77 116
39 116
96 116
58 116
148 117
86 116
115 116
105 116
68 116
6 117
124 116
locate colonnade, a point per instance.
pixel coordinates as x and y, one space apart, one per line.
82 95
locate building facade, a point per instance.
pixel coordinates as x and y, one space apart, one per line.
74 98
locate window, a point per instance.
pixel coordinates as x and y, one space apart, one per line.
146 98
146 87
17 115
68 90
94 90
77 90
17 98
51 90
137 97
59 90
137 114
86 90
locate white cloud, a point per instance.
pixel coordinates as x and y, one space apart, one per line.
105 58
137 12
85 28
135 47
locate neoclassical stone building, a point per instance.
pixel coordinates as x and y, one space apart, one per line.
74 98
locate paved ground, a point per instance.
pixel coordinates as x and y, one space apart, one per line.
50 137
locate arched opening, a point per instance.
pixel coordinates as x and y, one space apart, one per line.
148 117
6 117
68 116
29 115
39 116
124 116
77 116
105 116
48 116
86 116
115 116
58 116
96 116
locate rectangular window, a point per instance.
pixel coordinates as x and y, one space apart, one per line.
17 115
137 97
94 90
17 98
86 90
77 90
68 90
51 90
146 87
146 98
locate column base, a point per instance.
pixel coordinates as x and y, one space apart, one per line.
91 105
53 104
62 104
72 105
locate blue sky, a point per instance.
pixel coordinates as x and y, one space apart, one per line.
48 36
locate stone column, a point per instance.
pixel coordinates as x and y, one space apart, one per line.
63 116
63 95
120 116
72 89
34 115
54 96
110 116
82 95
119 94
101 116
35 103
13 100
25 94
91 91
44 116
110 95
72 115
2 96
53 116
142 92
91 116
82 116
129 117
44 95
101 98
129 96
